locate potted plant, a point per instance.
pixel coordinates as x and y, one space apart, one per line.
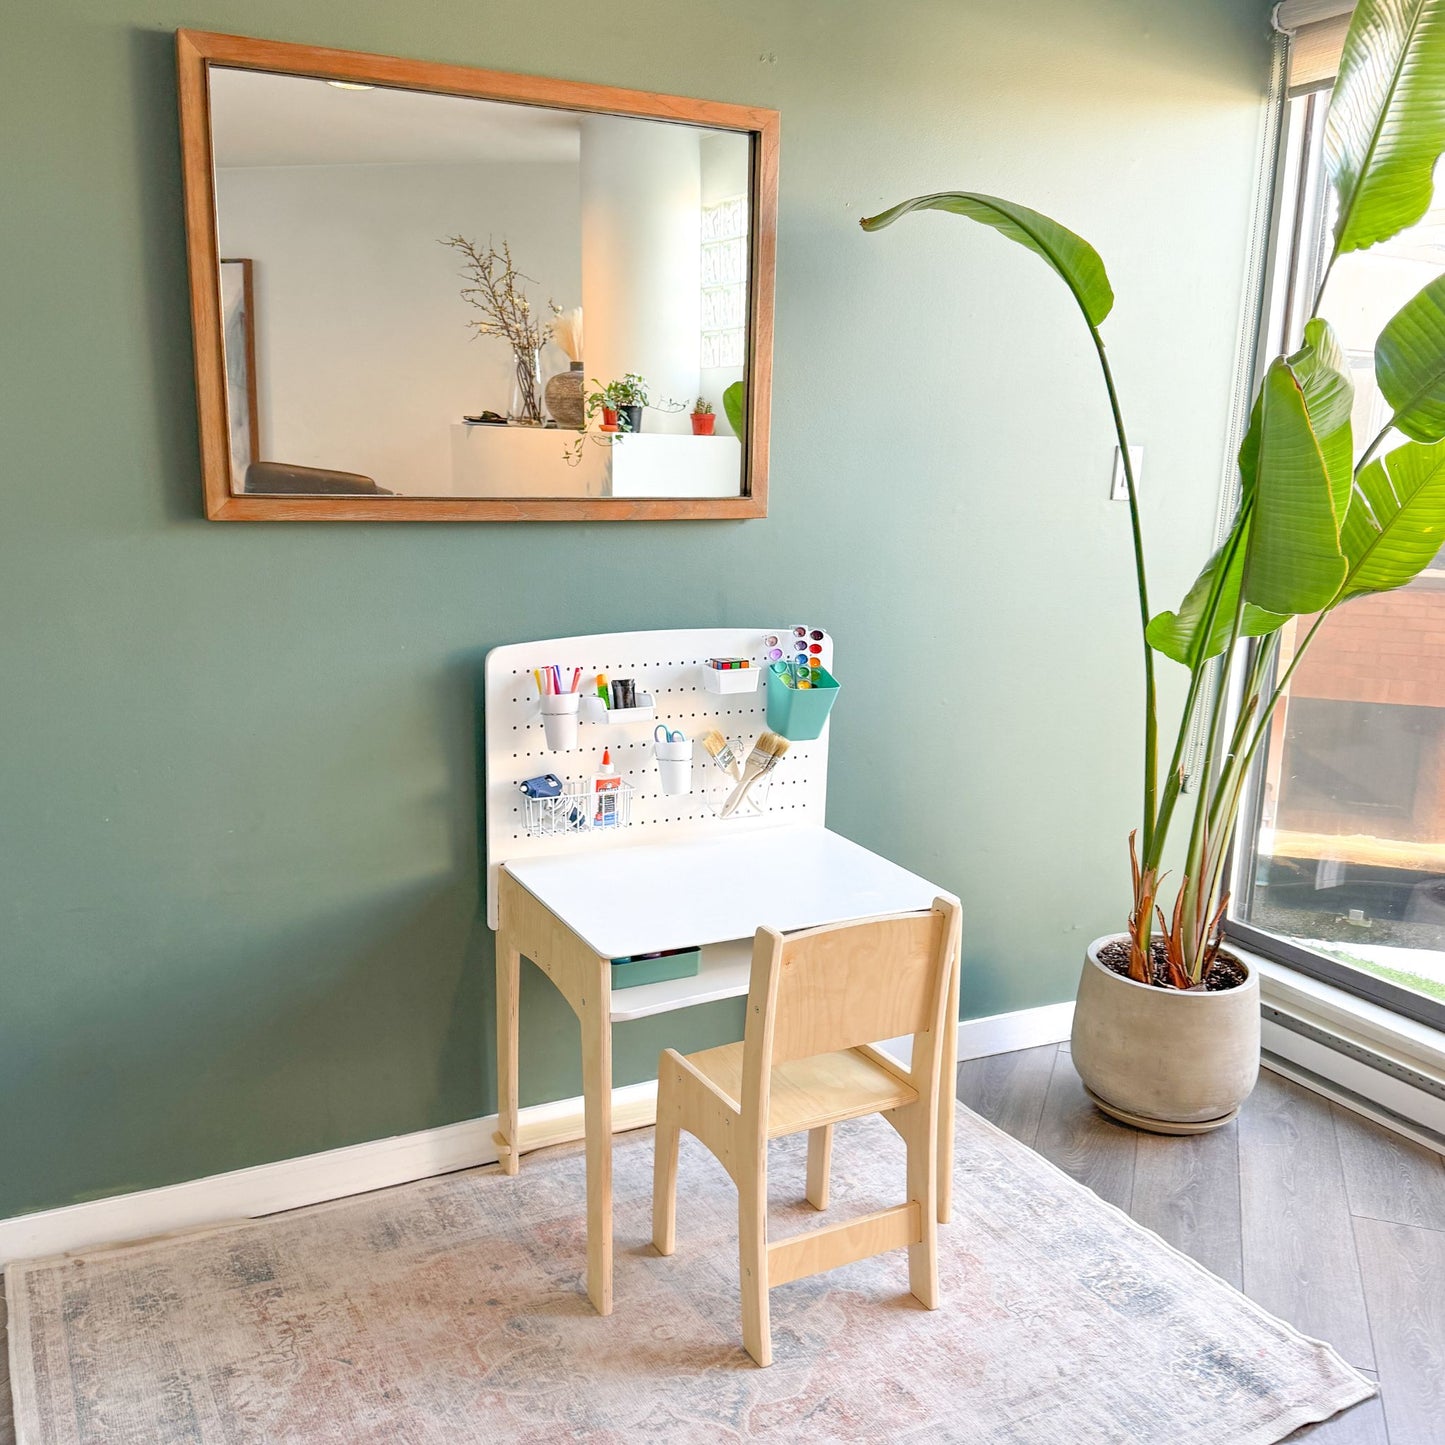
620 403
1166 1029
703 418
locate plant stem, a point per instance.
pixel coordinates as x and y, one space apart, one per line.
1369 451
1267 712
1193 882
1235 773
1197 674
1324 281
1151 719
1248 710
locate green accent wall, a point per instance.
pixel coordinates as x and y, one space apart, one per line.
239 901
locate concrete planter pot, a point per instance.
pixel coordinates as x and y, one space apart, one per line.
1160 1059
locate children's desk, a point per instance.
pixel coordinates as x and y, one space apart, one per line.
572 914
679 876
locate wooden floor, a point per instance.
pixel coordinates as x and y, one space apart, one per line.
1326 1220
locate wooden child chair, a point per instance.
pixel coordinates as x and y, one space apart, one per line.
815 1001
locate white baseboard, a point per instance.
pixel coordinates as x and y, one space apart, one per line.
248 1193
312 1179
381 1163
1028 1028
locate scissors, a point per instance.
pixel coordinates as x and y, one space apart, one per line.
663 734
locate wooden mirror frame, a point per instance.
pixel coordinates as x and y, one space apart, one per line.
197 50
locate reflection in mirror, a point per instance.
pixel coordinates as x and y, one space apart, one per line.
444 296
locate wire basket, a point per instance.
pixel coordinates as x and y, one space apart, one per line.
578 809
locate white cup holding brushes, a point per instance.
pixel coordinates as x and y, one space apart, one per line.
559 719
674 760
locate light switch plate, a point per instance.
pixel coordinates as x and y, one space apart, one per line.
1119 488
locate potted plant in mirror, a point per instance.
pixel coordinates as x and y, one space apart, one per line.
620 403
630 396
1166 1028
704 419
735 408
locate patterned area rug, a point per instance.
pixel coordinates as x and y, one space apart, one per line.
452 1311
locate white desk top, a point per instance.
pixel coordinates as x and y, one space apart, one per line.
688 892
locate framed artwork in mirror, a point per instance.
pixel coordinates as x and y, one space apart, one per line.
238 330
482 296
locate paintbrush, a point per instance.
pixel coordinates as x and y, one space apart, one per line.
763 759
722 753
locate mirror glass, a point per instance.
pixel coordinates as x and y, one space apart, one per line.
430 295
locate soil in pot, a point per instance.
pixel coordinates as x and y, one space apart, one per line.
1224 972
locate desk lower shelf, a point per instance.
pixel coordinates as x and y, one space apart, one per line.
722 973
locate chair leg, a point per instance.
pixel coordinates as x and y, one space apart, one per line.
922 1143
664 1176
820 1163
753 1262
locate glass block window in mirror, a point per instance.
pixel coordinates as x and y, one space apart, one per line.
724 282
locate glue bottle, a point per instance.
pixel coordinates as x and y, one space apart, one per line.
606 788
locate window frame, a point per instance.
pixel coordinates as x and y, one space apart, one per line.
1293 279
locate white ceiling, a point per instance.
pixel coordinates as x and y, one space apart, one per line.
262 119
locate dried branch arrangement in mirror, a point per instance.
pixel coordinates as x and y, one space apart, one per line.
495 290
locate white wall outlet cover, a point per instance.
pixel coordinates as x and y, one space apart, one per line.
1119 488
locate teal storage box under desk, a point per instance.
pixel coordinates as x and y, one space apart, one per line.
633 972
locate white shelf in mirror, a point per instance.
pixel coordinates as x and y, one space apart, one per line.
513 461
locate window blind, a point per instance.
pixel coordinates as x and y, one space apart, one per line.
1316 29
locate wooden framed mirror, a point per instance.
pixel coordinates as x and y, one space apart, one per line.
422 292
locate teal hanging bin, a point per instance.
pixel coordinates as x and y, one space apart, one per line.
798 713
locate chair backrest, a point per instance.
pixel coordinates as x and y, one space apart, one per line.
847 984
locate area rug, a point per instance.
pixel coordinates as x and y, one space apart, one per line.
452 1311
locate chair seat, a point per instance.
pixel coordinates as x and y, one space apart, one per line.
808 1092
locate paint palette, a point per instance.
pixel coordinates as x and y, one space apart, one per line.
797 644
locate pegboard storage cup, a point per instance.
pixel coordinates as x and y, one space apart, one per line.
674 766
799 713
559 719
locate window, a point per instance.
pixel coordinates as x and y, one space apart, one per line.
724 282
1340 866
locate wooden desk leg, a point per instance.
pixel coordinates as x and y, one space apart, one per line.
509 970
948 1098
597 1121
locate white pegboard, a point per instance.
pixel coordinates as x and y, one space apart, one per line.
669 665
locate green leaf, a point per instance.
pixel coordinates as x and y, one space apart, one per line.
1386 124
1396 522
1293 561
1071 256
735 408
1410 364
1324 377
1180 635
